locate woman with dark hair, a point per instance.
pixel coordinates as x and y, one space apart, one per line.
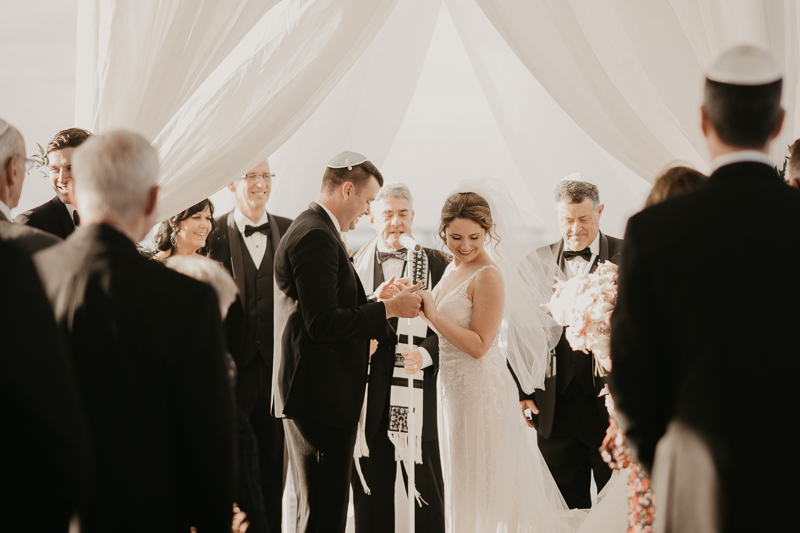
186 232
672 181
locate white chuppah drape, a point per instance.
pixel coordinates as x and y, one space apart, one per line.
364 111
234 113
630 72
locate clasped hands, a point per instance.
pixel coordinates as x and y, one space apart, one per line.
402 298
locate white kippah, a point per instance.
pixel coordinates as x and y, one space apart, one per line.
3 126
744 65
577 176
346 159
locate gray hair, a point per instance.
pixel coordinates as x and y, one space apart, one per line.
114 174
209 272
575 192
395 189
11 143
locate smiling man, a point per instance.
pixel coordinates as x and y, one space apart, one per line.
572 419
380 260
58 216
245 241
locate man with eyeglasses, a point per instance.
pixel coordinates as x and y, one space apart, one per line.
245 241
58 216
13 167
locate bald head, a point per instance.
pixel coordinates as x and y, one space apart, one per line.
12 164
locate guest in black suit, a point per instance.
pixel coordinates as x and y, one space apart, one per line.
324 324
245 241
44 442
58 216
153 376
13 166
572 418
704 337
379 261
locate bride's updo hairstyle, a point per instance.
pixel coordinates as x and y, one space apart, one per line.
470 206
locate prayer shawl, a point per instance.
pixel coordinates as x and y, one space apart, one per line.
364 262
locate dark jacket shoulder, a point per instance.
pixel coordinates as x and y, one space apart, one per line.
28 238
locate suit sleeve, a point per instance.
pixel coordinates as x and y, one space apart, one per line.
431 345
205 419
637 381
40 403
315 266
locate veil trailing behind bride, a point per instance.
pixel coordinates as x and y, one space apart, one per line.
495 477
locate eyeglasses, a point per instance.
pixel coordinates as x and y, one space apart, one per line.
254 177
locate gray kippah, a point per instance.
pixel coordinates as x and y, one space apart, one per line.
744 65
346 159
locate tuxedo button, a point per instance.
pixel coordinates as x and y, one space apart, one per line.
258 276
258 343
260 297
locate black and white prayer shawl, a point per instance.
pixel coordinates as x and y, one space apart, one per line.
364 262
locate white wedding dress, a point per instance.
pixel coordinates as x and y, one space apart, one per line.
495 477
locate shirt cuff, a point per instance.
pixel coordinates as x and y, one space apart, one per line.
426 357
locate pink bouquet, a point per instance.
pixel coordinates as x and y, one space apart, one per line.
584 305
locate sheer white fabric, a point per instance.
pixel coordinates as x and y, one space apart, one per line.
363 112
544 141
243 108
630 74
495 479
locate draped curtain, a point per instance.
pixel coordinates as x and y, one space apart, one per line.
610 88
630 72
257 71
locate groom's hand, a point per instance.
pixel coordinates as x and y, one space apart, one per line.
406 304
528 404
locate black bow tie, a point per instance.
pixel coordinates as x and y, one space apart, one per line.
263 228
76 218
385 256
586 254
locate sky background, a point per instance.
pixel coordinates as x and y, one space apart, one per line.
449 130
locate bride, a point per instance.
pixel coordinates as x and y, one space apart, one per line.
486 310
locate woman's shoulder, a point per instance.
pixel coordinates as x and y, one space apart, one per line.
488 277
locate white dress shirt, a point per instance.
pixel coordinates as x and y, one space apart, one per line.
71 211
740 156
257 242
578 265
5 210
394 267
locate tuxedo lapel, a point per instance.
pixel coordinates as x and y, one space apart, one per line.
318 209
603 255
275 233
558 253
237 260
67 224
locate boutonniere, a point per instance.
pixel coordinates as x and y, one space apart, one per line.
350 255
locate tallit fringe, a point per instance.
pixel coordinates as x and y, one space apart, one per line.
361 449
400 441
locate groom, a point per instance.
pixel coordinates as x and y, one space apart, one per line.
572 419
324 324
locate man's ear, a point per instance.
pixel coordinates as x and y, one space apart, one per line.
152 200
704 123
600 210
779 125
348 189
232 187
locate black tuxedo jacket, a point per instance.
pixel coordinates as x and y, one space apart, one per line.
226 247
705 333
44 435
28 238
52 217
324 326
147 348
382 365
545 399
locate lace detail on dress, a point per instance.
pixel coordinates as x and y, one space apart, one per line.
495 478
